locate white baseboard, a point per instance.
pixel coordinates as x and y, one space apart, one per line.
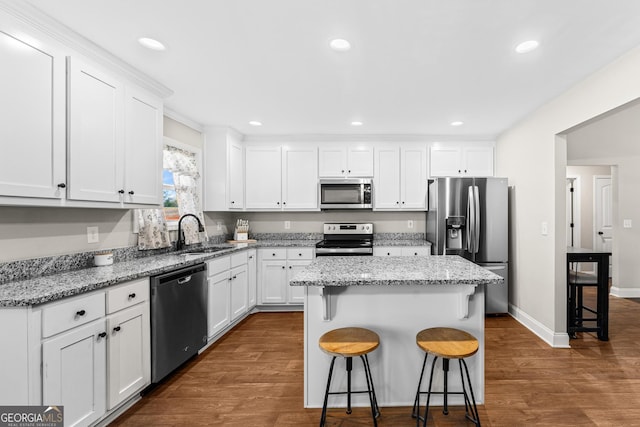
625 292
554 339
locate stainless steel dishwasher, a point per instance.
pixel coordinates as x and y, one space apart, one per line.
178 318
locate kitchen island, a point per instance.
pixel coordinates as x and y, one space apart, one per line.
396 297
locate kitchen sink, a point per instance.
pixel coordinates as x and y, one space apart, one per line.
205 251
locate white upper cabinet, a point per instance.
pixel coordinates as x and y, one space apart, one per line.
32 106
143 147
299 177
115 143
263 176
281 177
352 160
400 177
223 170
462 159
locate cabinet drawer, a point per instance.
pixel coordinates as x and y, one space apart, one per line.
127 294
299 253
387 251
274 253
416 251
238 259
218 265
62 316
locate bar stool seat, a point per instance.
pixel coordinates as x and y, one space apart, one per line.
349 343
447 343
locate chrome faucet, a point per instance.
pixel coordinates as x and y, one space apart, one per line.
180 240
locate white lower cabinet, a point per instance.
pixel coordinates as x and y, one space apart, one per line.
229 290
277 267
74 373
402 251
92 363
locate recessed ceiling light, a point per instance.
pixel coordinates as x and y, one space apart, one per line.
527 46
255 123
356 123
151 43
340 45
457 123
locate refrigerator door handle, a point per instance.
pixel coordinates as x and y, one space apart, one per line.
469 223
476 218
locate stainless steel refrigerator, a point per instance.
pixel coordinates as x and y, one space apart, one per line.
469 217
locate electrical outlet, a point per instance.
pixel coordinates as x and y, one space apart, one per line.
287 225
218 226
93 235
626 223
410 223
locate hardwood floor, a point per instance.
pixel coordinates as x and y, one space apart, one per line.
254 377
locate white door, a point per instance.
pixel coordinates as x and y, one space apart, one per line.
239 291
603 215
295 294
33 122
74 373
332 162
273 279
236 176
445 161
96 134
413 180
218 307
300 177
143 147
263 177
360 161
129 355
387 178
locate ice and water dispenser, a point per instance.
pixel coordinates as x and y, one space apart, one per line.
455 232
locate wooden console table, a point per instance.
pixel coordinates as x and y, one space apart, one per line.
575 285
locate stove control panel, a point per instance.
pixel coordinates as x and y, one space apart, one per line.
348 228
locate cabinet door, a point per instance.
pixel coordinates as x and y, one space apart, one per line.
235 176
300 178
263 177
360 161
129 354
143 147
32 108
445 161
295 294
273 279
74 373
387 178
332 162
252 278
478 161
96 138
218 307
239 291
413 177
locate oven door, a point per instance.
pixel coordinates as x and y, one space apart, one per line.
344 251
345 194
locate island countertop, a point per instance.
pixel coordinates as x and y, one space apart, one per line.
394 270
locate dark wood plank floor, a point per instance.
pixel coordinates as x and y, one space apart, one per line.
254 377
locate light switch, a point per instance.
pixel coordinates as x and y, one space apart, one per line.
287 225
410 223
544 228
626 223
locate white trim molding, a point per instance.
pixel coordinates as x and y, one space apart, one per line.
554 339
624 292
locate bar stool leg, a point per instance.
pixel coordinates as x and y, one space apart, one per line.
426 409
416 402
349 361
370 392
472 405
326 394
445 369
367 369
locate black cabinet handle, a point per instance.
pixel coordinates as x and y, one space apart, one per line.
600 233
273 254
349 170
299 254
81 313
62 185
102 335
278 203
284 203
251 257
232 202
342 171
388 253
234 277
230 279
116 329
290 267
283 266
121 191
131 192
132 295
403 203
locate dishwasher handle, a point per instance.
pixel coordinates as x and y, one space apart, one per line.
184 280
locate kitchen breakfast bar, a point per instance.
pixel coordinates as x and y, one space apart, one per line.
396 297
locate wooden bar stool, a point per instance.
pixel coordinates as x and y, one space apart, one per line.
349 343
446 343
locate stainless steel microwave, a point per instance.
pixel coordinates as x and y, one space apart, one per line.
346 194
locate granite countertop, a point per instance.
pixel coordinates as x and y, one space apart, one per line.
40 290
367 271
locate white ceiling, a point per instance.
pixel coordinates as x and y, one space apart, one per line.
414 66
